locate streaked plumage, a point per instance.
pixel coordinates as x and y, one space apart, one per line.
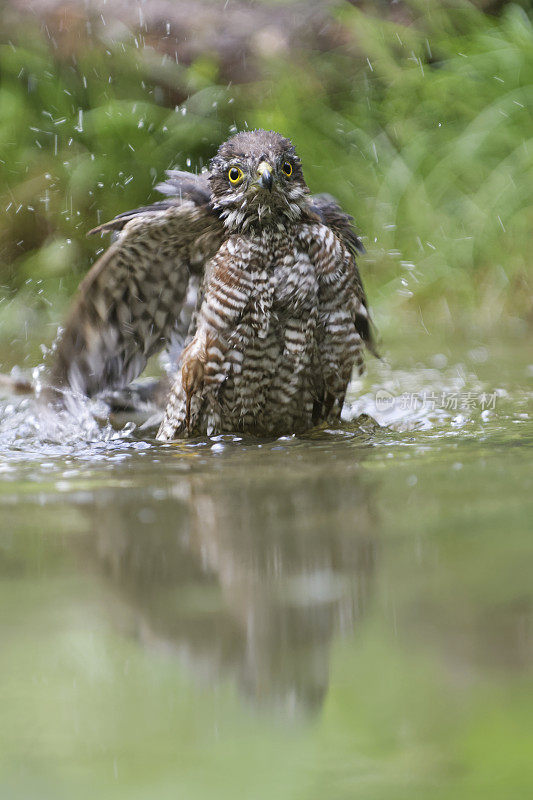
281 315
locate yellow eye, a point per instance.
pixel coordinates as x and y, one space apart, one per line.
287 168
235 175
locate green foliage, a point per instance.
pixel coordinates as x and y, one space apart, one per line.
422 131
428 143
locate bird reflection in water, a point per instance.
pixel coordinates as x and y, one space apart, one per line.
251 575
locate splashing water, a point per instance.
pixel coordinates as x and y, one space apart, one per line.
30 430
436 402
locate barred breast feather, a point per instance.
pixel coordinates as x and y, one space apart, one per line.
277 336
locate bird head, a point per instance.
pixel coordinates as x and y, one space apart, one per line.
257 181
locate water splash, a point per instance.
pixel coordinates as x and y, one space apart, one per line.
32 430
438 403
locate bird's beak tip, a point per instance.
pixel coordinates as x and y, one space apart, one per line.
265 173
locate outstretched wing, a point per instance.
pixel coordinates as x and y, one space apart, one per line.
129 303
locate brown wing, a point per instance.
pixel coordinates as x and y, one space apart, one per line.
129 303
344 327
342 225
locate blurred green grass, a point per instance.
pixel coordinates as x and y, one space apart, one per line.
423 131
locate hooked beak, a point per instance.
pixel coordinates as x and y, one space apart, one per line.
264 172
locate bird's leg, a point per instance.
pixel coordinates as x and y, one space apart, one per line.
328 404
192 371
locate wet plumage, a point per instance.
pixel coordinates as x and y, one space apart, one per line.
280 317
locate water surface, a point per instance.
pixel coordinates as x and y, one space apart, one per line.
346 614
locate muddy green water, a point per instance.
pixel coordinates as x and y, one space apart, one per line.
342 615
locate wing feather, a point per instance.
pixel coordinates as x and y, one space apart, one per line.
129 303
342 224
